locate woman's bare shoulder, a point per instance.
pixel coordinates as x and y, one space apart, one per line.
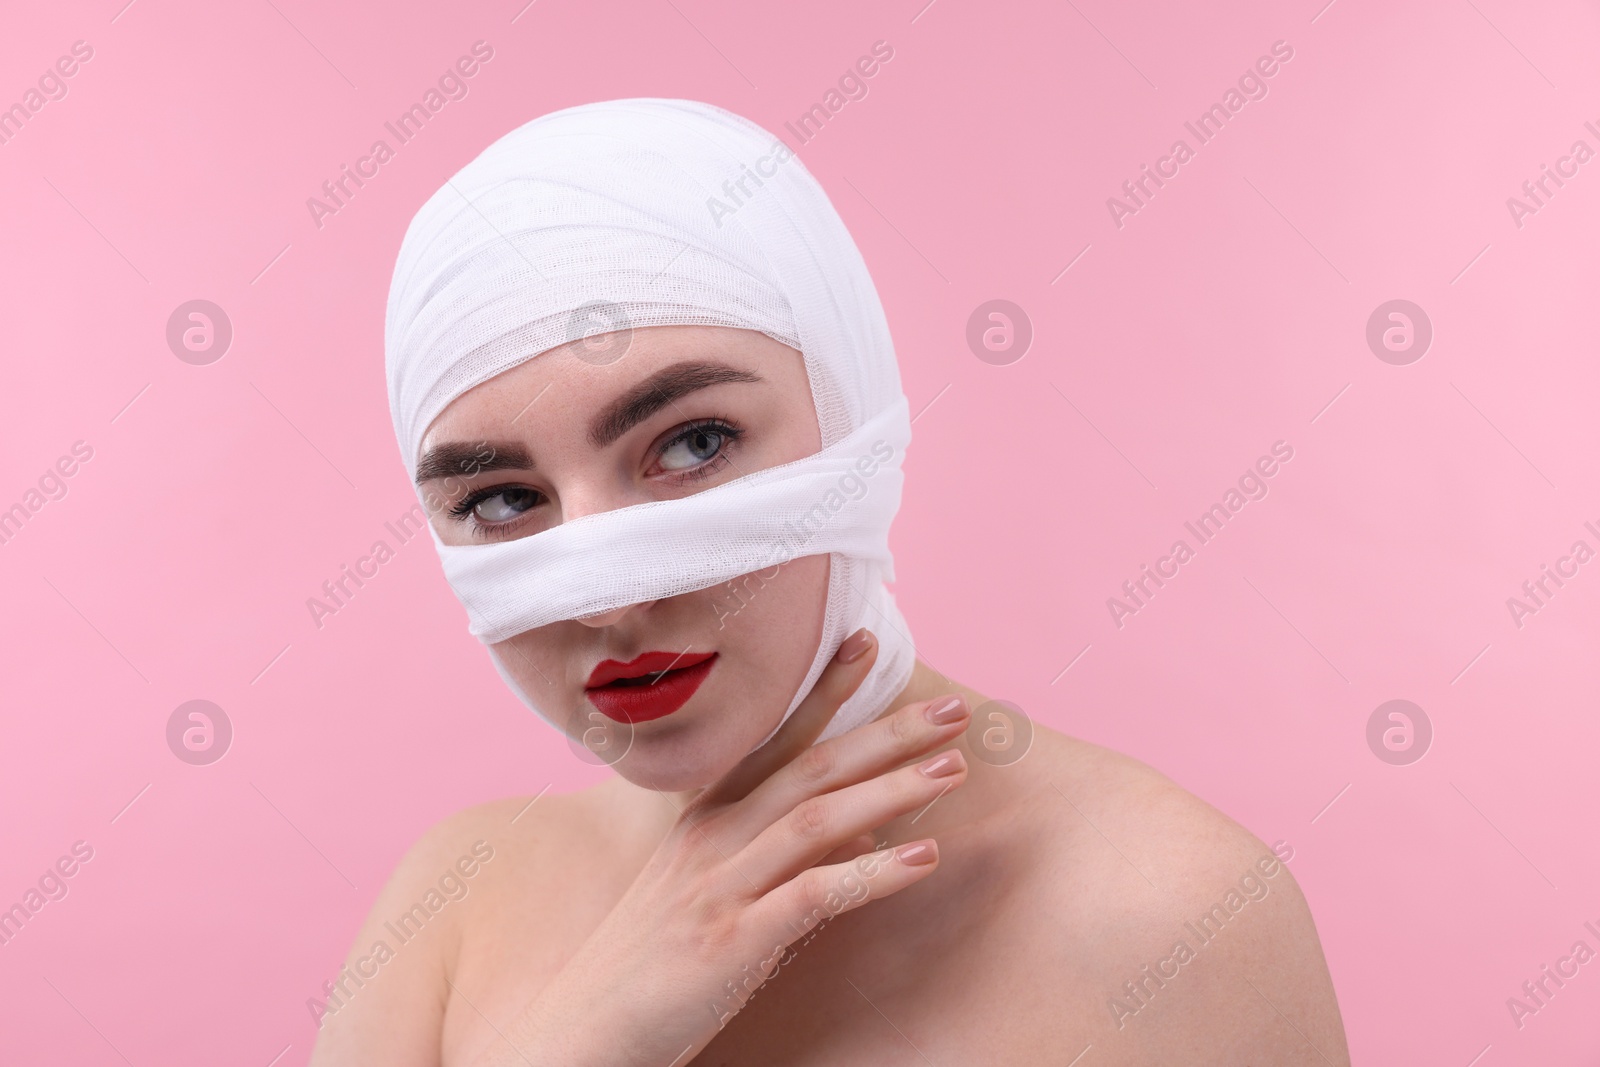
466 876
548 834
1199 934
1160 817
512 846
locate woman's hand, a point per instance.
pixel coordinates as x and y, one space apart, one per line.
777 844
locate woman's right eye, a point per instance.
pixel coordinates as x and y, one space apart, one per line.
496 506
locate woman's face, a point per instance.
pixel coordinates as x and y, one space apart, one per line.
650 414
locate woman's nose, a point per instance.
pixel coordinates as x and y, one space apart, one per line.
575 505
579 501
610 618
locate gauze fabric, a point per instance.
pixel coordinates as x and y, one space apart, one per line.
646 212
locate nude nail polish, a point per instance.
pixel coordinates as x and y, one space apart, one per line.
947 711
855 646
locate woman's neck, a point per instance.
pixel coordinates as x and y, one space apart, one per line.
925 684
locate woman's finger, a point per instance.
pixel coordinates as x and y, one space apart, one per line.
817 894
823 823
856 846
869 750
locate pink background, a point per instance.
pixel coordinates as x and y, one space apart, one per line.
1224 316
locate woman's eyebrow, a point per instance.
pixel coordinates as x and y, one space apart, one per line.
458 457
656 392
621 415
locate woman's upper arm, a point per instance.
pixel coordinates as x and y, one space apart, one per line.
387 1002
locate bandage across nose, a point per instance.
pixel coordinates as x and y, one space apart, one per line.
841 499
661 212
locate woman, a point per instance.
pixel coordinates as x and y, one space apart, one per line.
644 384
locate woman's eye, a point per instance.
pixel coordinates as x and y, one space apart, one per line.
693 448
504 505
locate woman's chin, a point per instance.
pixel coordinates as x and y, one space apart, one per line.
663 772
682 760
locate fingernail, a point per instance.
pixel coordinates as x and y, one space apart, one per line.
855 646
918 855
940 766
947 711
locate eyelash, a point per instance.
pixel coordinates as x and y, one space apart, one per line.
723 427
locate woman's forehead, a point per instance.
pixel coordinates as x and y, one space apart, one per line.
652 368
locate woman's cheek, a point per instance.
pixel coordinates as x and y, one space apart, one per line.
774 620
546 666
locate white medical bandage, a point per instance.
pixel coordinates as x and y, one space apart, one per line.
665 212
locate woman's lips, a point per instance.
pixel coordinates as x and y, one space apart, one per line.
663 683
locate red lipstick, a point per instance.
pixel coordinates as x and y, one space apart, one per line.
649 686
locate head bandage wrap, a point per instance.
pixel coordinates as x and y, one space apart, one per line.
649 212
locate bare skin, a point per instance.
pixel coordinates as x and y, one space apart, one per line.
1060 887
